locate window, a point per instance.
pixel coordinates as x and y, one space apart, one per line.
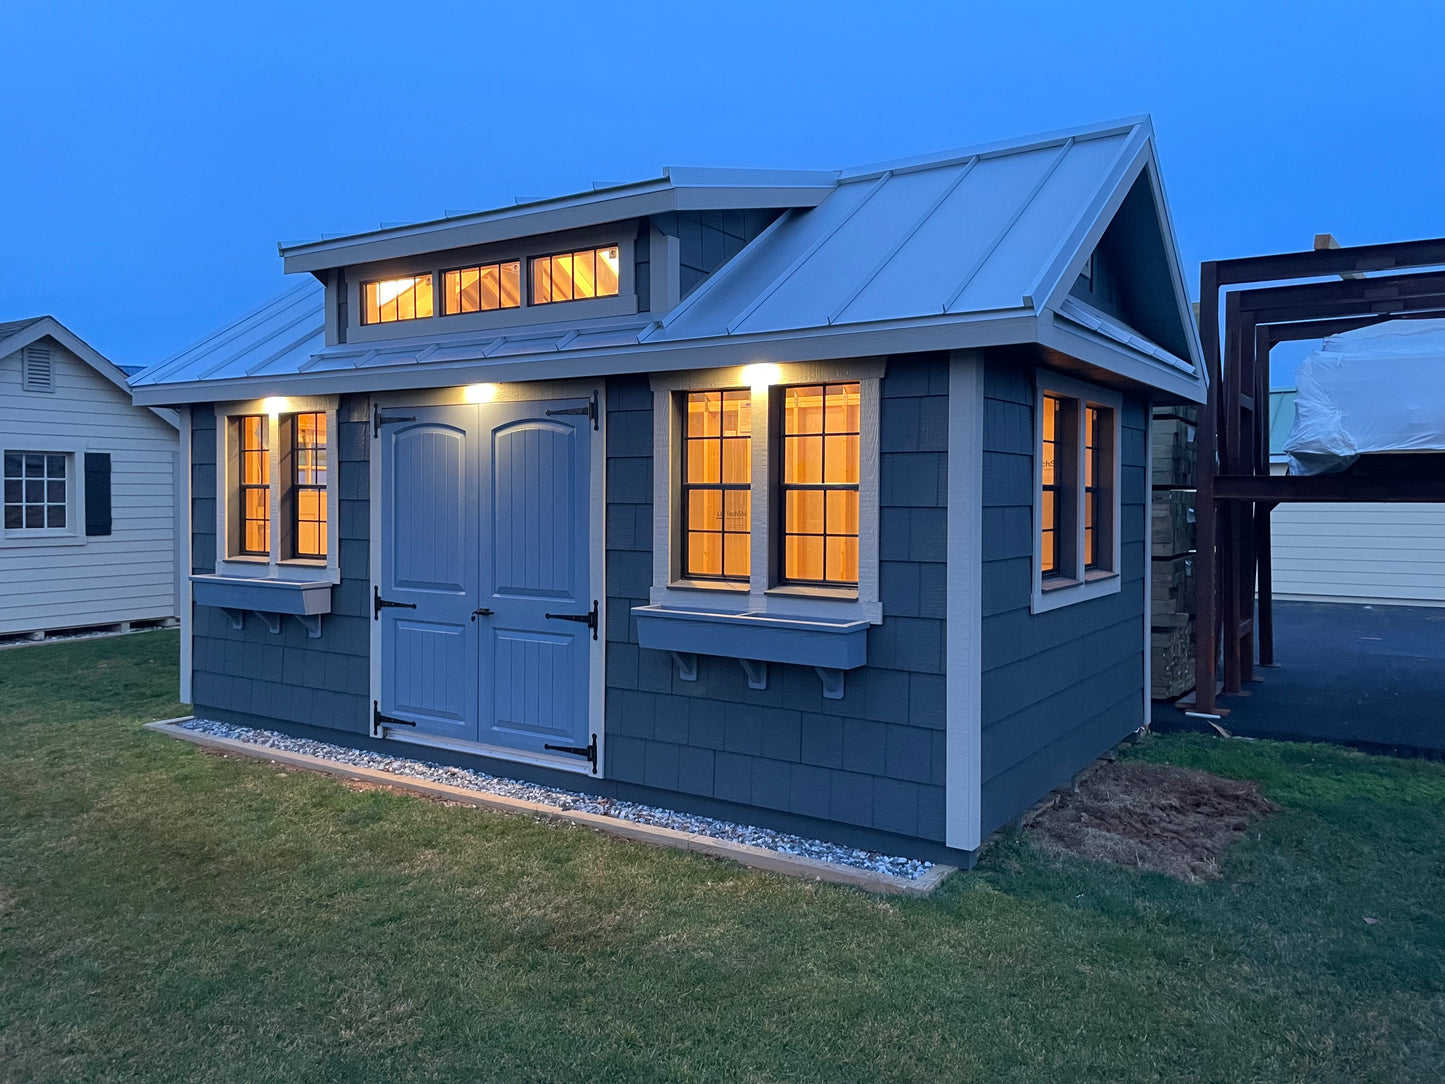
717 485
575 276
1077 499
820 452
308 493
390 300
36 490
483 289
254 491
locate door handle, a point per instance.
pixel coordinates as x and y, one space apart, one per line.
482 612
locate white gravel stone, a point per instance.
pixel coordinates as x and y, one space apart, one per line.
782 842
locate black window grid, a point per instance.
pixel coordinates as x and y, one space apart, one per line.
785 487
36 486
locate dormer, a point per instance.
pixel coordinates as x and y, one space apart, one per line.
613 252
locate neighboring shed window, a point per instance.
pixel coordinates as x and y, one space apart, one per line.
717 485
308 494
482 289
1077 499
36 490
390 300
254 492
820 472
575 276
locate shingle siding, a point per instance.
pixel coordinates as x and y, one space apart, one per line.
1062 687
257 676
708 239
872 761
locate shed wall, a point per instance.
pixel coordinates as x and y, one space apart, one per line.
1062 687
128 575
256 676
872 761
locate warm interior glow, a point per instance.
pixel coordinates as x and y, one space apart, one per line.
479 393
717 476
761 375
821 468
274 404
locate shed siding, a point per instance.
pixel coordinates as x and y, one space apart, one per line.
709 239
255 676
873 761
1062 687
128 575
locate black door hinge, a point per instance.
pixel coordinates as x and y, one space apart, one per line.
377 421
379 720
589 751
590 410
378 603
589 619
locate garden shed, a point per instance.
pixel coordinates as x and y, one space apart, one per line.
89 535
808 499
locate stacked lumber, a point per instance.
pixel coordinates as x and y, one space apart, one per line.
1171 548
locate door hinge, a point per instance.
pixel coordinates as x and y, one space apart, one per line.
589 619
379 720
590 410
377 421
378 603
589 751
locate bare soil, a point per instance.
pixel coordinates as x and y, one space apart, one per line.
1176 821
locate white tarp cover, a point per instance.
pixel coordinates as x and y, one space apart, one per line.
1378 389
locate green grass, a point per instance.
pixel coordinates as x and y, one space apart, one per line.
167 915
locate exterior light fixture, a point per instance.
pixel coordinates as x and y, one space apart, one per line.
479 393
761 374
274 404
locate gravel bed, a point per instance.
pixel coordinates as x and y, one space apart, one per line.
782 842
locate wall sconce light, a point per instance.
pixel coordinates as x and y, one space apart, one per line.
479 393
761 374
274 404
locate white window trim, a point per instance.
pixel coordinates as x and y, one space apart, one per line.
73 533
763 594
1099 582
274 566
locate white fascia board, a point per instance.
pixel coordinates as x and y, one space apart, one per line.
815 344
1112 357
527 220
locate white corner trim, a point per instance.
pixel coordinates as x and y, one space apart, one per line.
1089 585
963 796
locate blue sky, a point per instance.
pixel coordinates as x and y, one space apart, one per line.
153 153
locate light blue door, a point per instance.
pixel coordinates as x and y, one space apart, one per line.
535 577
488 617
428 589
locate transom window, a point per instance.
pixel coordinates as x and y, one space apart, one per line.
575 276
717 485
35 490
390 300
820 433
309 487
485 288
254 492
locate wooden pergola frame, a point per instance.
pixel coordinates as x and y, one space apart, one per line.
1236 491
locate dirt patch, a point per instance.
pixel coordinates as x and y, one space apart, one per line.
1176 821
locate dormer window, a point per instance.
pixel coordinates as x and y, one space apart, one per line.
483 289
575 276
390 300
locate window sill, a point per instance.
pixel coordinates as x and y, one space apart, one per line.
804 590
268 598
41 537
1054 594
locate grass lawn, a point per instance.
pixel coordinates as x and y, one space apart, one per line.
168 915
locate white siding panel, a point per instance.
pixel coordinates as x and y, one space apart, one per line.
128 575
1375 553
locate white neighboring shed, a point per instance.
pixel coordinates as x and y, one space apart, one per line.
1369 553
88 536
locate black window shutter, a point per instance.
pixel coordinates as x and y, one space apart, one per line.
97 493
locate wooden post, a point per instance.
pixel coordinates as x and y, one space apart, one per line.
1206 646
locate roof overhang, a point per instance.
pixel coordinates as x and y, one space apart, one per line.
679 190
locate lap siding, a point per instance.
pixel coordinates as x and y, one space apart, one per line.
1058 688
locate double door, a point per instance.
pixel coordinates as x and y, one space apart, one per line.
487 614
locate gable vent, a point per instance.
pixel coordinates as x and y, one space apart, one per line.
38 372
